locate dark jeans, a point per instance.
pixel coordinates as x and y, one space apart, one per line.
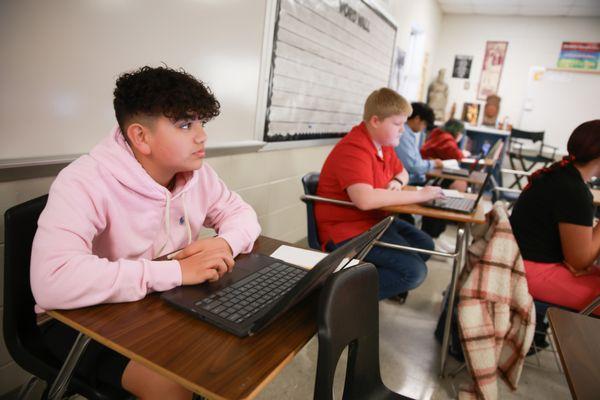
399 271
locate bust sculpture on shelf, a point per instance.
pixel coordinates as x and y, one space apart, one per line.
437 96
491 110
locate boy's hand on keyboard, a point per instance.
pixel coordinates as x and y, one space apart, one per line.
203 246
205 266
431 193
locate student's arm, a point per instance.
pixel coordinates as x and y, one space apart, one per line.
455 152
412 159
580 244
450 149
365 197
229 215
64 272
395 184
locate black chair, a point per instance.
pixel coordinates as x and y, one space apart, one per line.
349 316
528 160
21 331
507 194
310 182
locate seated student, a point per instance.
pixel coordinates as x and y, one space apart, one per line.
553 223
141 193
364 169
422 117
442 142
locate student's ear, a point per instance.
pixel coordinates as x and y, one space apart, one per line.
374 121
138 136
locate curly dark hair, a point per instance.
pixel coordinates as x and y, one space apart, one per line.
158 91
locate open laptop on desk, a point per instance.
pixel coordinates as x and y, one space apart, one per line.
459 204
261 288
492 154
461 171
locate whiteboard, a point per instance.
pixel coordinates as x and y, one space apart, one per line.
60 60
328 56
559 101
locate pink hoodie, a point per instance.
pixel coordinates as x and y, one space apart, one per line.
106 219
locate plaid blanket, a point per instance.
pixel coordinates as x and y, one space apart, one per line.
496 314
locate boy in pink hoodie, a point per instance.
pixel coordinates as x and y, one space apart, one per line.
141 193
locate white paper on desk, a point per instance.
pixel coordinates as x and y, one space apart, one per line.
471 161
450 164
306 259
447 192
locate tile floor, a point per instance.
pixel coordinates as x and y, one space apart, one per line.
409 354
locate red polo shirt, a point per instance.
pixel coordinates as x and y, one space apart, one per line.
353 160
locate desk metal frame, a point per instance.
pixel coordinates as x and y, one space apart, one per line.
459 256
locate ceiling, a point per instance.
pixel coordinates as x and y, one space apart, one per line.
554 8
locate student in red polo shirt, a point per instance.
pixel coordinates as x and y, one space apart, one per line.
363 168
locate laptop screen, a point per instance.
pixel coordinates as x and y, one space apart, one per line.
482 188
319 273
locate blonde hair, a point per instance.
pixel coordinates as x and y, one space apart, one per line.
385 102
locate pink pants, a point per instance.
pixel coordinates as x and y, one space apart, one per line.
556 284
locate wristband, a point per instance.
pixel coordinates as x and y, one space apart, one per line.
399 181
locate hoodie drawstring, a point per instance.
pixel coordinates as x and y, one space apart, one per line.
167 224
187 222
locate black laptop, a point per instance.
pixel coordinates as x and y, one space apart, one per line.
463 171
261 288
459 204
491 154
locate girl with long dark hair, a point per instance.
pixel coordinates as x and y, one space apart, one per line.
553 222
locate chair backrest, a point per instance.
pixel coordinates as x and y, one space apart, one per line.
310 182
533 136
21 333
349 316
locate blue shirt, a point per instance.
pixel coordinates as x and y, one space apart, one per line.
408 153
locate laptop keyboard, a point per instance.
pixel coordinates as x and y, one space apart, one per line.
250 295
457 203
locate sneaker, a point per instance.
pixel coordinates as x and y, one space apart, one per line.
444 246
400 298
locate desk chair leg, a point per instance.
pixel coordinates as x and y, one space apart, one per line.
60 384
456 267
26 388
591 307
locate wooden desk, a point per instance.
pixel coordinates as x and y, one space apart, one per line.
596 194
199 356
579 349
475 178
462 240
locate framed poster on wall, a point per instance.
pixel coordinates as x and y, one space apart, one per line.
462 67
493 61
579 55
